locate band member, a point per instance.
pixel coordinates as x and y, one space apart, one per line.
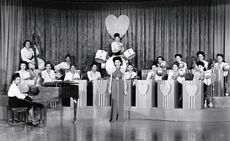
182 65
116 46
153 74
48 74
28 55
130 74
161 63
64 65
72 75
18 99
201 57
221 70
176 74
93 74
117 87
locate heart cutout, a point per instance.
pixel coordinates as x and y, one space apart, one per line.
117 25
101 87
191 89
165 88
143 88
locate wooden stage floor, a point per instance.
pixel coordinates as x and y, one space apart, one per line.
61 129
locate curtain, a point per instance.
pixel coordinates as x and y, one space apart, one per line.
156 28
10 39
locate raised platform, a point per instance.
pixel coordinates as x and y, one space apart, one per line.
222 102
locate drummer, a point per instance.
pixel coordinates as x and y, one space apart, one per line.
93 74
116 46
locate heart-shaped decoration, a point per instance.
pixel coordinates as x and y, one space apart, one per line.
143 88
101 87
192 89
165 88
117 25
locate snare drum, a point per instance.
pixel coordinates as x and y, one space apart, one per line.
129 53
101 56
109 66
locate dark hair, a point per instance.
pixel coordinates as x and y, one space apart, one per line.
221 55
154 63
176 63
23 62
14 76
94 63
200 52
67 55
200 63
116 35
117 58
130 64
160 57
48 62
178 55
24 43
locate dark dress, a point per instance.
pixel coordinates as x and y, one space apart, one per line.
117 99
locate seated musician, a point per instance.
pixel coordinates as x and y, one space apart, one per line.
116 46
18 99
72 75
182 65
48 74
93 74
200 58
28 54
176 73
161 63
64 65
156 73
130 74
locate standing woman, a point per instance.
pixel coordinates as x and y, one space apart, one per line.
27 54
221 70
117 87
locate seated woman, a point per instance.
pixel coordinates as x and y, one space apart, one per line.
161 63
48 74
72 75
93 74
18 99
64 65
176 73
182 65
200 58
155 73
28 54
130 74
116 46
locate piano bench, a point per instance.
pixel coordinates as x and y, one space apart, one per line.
21 113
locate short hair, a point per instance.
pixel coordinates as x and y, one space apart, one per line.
94 63
178 55
200 63
160 57
24 43
117 58
23 62
48 62
67 55
200 52
154 63
14 76
221 55
176 63
116 35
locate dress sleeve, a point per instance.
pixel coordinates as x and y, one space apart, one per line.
23 56
14 91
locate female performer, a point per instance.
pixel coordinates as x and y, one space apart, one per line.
93 74
130 74
221 70
72 74
18 99
48 74
182 65
201 57
117 87
27 54
116 46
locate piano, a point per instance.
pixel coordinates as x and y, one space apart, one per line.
54 91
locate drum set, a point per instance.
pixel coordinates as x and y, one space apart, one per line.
103 58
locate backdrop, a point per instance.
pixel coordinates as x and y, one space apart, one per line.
156 28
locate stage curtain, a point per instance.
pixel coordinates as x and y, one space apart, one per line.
156 28
10 39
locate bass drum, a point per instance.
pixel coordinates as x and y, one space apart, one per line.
109 66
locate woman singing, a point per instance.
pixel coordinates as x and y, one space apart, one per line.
221 72
117 87
27 54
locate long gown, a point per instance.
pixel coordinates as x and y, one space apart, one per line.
219 83
117 99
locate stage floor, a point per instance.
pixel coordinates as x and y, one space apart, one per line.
60 128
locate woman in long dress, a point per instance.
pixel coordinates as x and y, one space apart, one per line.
117 87
221 72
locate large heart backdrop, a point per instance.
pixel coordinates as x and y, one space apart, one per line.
143 88
165 88
117 25
192 89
